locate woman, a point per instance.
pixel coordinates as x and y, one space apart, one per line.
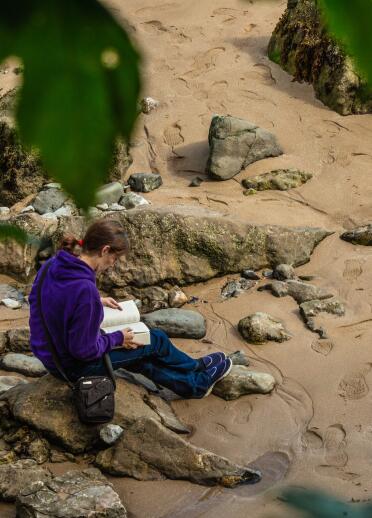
73 312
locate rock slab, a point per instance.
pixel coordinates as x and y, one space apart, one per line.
177 323
235 143
13 477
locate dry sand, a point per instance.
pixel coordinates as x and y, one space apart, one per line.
206 57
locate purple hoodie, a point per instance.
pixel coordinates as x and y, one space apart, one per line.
73 312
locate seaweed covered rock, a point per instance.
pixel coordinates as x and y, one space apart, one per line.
303 47
279 179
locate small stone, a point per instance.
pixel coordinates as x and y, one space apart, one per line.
261 327
145 182
27 209
234 288
267 274
27 365
14 476
8 382
109 193
196 182
241 381
49 215
176 297
63 211
110 433
359 235
284 272
177 323
249 192
148 104
131 200
11 303
279 179
116 207
102 206
250 274
239 358
19 339
4 211
53 185
49 200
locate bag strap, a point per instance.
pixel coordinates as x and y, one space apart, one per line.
50 342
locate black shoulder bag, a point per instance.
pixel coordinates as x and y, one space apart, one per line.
94 396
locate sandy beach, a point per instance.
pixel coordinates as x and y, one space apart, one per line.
315 429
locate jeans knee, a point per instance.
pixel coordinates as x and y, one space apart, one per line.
160 341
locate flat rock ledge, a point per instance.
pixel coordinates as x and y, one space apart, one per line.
148 448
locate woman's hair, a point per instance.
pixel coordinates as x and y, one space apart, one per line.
99 234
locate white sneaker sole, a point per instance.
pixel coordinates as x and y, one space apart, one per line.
221 378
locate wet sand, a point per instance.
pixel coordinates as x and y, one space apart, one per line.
315 429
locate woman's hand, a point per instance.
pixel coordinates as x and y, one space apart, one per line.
128 339
109 302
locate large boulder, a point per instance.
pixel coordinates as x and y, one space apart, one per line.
148 449
302 46
235 143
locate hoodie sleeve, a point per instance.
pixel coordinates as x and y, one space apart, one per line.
84 340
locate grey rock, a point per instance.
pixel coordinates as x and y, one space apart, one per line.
145 182
176 297
110 433
239 358
177 323
261 327
19 339
63 211
267 274
8 382
49 200
11 303
14 476
250 274
132 200
166 414
299 290
234 288
53 185
359 236
235 143
50 215
28 208
280 179
82 494
115 207
284 272
241 381
102 206
314 307
4 211
196 182
38 450
109 193
27 365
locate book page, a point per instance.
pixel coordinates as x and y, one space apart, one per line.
141 331
114 317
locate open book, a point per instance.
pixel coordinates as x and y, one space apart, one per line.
116 320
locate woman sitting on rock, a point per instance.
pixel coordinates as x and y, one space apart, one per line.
73 313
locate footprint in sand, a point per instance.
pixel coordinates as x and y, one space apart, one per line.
322 346
353 269
145 11
334 443
205 61
173 136
353 386
312 439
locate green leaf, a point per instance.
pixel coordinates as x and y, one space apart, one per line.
8 231
75 100
350 21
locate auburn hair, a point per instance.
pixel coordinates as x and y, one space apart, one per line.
99 234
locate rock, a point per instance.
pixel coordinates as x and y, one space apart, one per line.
131 200
166 414
239 358
261 327
359 236
146 450
234 288
299 290
302 45
176 459
151 298
110 433
314 307
28 208
49 200
82 494
53 185
4 211
250 274
109 193
242 381
50 215
116 206
196 182
177 323
27 365
63 211
8 382
145 182
14 476
11 303
121 161
234 144
280 179
176 297
284 272
102 206
59 456
267 274
148 104
19 339
39 450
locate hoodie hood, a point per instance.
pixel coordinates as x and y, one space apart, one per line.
68 267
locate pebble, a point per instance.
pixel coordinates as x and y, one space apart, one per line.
148 104
116 207
28 209
11 303
110 433
250 274
131 200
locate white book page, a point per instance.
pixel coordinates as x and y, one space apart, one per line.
115 317
141 331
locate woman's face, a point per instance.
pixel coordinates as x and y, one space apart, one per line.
107 259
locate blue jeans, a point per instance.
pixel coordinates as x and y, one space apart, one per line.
160 361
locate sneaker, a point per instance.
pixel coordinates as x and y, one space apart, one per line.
218 373
210 361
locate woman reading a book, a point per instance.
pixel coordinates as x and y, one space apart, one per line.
73 311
